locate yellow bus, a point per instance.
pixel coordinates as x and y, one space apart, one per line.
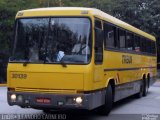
77 58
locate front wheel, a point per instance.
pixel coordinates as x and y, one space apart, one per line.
106 108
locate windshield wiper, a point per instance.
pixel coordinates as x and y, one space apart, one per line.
25 63
44 57
63 63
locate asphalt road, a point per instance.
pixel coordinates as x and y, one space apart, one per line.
145 108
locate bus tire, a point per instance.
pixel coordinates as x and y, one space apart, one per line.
145 88
106 108
148 81
140 94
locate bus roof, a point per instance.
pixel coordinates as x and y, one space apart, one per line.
79 11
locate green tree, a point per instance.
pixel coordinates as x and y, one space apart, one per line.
144 14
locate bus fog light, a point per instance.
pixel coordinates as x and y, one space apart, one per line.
26 101
13 97
79 100
20 98
60 103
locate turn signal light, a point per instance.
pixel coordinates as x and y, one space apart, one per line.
11 89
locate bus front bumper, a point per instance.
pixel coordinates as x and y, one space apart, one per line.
56 101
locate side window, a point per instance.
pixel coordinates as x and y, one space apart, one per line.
109 36
137 43
148 46
153 47
98 24
143 44
122 39
98 42
129 41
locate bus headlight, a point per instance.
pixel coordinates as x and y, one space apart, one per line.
79 100
13 97
19 98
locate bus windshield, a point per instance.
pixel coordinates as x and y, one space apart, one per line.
52 40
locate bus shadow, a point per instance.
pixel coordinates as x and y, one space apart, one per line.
88 115
128 100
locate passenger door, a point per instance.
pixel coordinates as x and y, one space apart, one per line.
98 48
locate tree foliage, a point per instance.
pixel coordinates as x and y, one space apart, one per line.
144 14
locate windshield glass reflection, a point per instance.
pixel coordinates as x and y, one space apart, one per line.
52 40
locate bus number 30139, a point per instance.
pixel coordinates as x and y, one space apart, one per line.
20 76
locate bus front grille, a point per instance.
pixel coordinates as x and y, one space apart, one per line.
42 90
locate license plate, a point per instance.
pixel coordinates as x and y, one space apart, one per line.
43 100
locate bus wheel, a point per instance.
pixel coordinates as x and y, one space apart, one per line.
140 94
145 88
148 81
106 108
